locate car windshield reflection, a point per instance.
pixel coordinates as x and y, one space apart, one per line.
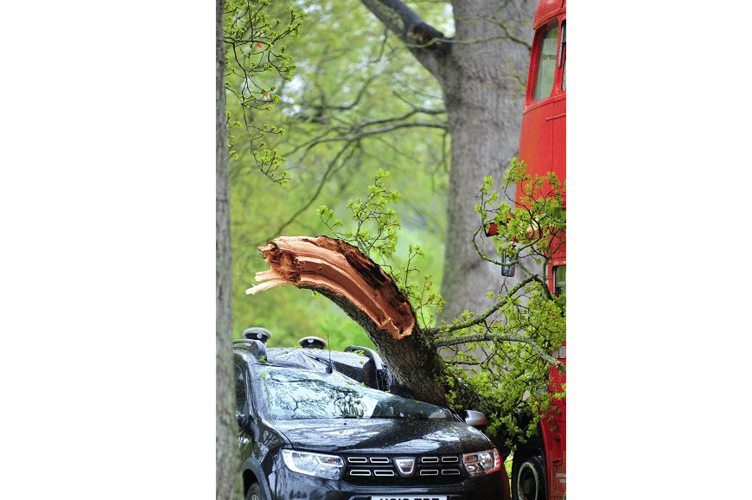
303 394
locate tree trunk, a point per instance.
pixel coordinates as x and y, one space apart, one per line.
484 107
228 483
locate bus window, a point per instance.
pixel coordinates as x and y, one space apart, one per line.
560 280
546 69
563 56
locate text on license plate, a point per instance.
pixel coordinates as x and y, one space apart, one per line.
410 497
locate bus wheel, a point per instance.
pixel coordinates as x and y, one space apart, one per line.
529 477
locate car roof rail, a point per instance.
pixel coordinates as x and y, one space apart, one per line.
369 353
384 379
255 347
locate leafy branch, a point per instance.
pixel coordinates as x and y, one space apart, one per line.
376 223
504 353
350 146
254 51
376 234
535 228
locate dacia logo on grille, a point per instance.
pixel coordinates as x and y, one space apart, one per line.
405 466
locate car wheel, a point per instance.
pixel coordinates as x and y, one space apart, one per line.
529 476
254 492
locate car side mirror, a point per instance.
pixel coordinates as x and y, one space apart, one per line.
474 418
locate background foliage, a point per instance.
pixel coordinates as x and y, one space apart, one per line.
326 112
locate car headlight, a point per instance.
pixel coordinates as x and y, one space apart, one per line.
482 462
313 464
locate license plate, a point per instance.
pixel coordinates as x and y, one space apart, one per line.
410 497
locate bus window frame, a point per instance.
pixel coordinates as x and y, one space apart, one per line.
556 89
561 65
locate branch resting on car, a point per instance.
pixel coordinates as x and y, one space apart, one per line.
326 264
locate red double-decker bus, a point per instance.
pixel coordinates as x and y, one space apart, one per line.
539 467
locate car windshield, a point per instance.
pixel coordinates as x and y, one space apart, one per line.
291 393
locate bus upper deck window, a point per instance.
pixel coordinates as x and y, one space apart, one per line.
546 68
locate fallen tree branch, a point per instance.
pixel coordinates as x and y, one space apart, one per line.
340 268
347 277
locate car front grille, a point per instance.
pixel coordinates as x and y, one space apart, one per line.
382 469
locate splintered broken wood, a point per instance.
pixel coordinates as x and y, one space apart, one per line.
334 266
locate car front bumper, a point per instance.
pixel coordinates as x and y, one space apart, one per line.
289 485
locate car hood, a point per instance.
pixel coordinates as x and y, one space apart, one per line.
392 436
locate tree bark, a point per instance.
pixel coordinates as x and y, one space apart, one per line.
228 483
484 108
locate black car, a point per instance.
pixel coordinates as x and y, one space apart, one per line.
314 425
